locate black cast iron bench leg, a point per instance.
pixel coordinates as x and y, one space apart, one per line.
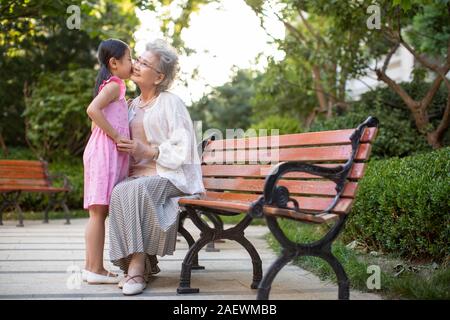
291 250
10 199
218 225
189 239
53 201
207 235
277 265
343 282
237 234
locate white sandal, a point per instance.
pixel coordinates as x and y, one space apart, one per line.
130 289
95 278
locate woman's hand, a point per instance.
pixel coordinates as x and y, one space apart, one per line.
118 138
136 149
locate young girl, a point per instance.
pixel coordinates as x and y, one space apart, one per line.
104 165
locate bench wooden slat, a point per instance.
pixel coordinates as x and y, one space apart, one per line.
308 154
20 163
29 176
24 182
261 171
4 169
321 188
305 203
23 174
8 188
241 207
331 137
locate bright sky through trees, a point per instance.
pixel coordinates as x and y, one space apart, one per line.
224 35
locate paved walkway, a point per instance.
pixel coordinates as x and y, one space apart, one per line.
36 263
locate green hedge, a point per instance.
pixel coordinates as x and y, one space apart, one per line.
403 206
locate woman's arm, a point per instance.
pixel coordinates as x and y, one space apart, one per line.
109 93
177 149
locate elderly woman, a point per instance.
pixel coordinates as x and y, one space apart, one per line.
164 166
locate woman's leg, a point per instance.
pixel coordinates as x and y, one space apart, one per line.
95 239
137 266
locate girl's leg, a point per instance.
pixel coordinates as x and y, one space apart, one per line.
86 235
95 239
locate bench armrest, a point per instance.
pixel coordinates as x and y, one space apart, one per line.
279 195
202 145
58 175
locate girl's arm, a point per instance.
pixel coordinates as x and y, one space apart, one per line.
109 93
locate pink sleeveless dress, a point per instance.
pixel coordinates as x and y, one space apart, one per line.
104 165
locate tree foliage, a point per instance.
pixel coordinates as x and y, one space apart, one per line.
35 40
228 106
56 121
322 57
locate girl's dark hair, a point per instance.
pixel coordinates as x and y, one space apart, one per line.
111 48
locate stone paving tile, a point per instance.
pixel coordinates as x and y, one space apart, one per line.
36 261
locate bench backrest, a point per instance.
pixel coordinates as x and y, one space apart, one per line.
232 168
23 173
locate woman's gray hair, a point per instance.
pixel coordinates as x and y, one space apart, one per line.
168 62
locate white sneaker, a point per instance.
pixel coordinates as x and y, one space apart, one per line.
95 278
130 289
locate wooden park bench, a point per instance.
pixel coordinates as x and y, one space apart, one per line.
18 176
310 177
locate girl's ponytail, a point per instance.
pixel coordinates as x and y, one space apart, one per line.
103 75
111 48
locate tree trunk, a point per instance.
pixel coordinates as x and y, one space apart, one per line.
319 89
435 138
3 146
310 118
420 116
331 103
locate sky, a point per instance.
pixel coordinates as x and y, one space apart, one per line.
224 35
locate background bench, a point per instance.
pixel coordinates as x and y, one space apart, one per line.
311 178
18 176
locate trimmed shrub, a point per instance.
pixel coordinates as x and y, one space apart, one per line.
403 206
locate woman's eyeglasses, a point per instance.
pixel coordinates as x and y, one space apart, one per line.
146 64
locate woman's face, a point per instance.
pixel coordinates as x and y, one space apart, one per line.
145 70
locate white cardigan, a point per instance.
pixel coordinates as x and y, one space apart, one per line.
168 125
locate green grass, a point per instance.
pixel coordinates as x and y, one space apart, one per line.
239 217
425 283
